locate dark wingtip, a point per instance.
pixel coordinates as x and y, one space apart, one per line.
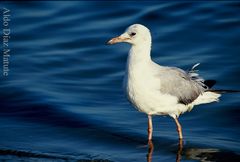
224 91
210 83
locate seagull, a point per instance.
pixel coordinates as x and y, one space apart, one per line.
161 90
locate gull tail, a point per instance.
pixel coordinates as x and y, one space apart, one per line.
211 95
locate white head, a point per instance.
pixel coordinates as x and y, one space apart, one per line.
136 35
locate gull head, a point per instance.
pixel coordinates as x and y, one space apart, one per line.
136 35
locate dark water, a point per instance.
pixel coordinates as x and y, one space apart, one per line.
63 98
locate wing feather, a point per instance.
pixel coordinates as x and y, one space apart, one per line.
186 86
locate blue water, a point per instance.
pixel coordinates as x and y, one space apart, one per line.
63 98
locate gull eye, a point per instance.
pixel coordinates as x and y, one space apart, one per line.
132 34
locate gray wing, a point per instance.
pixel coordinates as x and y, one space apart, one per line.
186 86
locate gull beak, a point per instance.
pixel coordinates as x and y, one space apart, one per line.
121 38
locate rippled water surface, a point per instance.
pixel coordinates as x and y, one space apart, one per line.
63 98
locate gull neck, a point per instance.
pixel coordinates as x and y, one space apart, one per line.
140 53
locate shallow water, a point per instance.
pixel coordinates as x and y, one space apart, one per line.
63 98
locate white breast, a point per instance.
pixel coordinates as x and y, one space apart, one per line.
142 87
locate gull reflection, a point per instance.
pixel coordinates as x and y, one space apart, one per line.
179 152
151 148
150 151
199 154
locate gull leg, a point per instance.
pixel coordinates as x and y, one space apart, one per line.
179 128
150 127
